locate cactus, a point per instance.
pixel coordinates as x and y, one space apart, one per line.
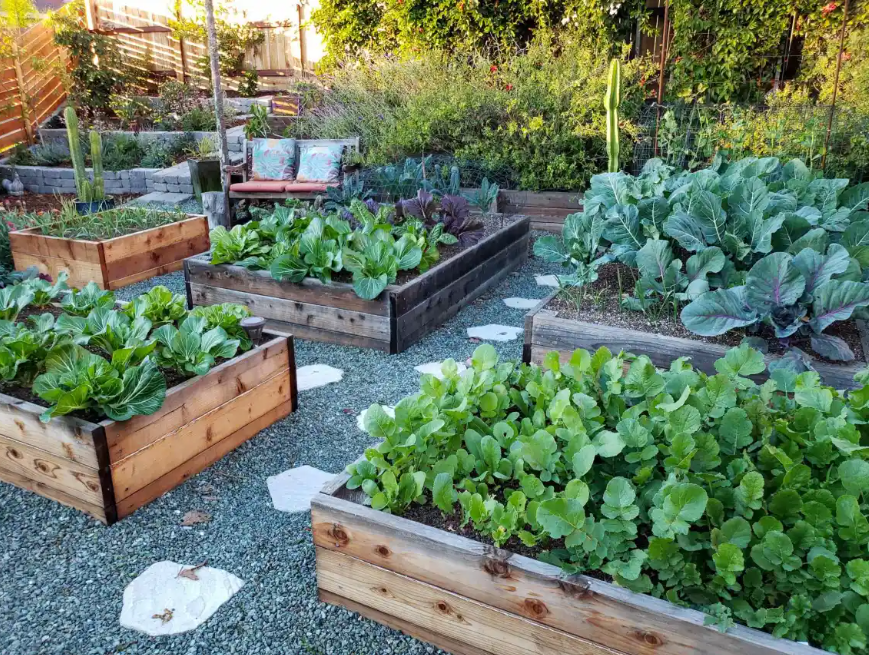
99 188
611 102
87 191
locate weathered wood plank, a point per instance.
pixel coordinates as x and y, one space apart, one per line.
211 391
64 436
296 312
529 325
566 335
174 449
80 272
38 487
416 631
583 606
54 472
446 272
554 228
571 200
447 302
132 245
458 618
328 336
236 278
200 461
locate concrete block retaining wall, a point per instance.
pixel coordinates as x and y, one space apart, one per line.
45 179
234 137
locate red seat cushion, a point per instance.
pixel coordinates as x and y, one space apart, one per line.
306 187
259 186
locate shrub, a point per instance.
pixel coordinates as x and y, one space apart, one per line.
539 114
743 501
122 152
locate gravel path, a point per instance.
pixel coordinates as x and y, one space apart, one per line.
62 574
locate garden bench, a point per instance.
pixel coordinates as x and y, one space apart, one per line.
279 189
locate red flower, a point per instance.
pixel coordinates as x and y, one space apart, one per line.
846 56
493 69
509 87
829 8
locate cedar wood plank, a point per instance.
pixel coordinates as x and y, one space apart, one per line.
585 607
38 487
200 461
174 449
438 611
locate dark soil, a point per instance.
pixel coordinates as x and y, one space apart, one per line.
599 303
43 202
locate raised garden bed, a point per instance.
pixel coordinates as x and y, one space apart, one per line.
110 469
547 209
469 598
545 331
399 317
112 263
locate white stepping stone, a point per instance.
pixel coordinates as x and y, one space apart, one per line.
546 280
495 332
317 375
292 490
521 303
160 602
360 419
434 368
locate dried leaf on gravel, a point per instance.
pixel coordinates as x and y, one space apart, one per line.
195 517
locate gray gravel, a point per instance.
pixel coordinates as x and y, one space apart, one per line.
62 574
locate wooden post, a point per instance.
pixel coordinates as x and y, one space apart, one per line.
90 14
214 58
214 207
22 93
835 85
303 56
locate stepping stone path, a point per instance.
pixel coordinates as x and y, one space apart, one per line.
495 332
546 280
360 419
292 490
162 602
521 303
434 368
162 197
317 375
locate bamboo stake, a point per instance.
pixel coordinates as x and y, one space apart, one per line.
835 85
663 66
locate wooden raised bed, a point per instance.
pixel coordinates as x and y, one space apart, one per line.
469 598
545 332
399 317
112 468
112 263
547 209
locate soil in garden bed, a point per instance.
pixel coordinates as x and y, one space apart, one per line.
44 202
599 303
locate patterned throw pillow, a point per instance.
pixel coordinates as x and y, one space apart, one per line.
320 163
273 159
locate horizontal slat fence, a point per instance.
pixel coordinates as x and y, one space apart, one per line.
42 90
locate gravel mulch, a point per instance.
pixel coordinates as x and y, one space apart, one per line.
62 574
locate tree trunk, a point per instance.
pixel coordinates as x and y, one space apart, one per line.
214 208
214 57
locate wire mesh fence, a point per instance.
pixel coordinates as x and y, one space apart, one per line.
690 135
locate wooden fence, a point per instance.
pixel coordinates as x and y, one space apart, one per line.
30 85
141 29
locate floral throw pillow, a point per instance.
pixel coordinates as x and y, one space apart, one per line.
320 163
273 159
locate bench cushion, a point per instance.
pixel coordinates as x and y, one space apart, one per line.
279 186
259 186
